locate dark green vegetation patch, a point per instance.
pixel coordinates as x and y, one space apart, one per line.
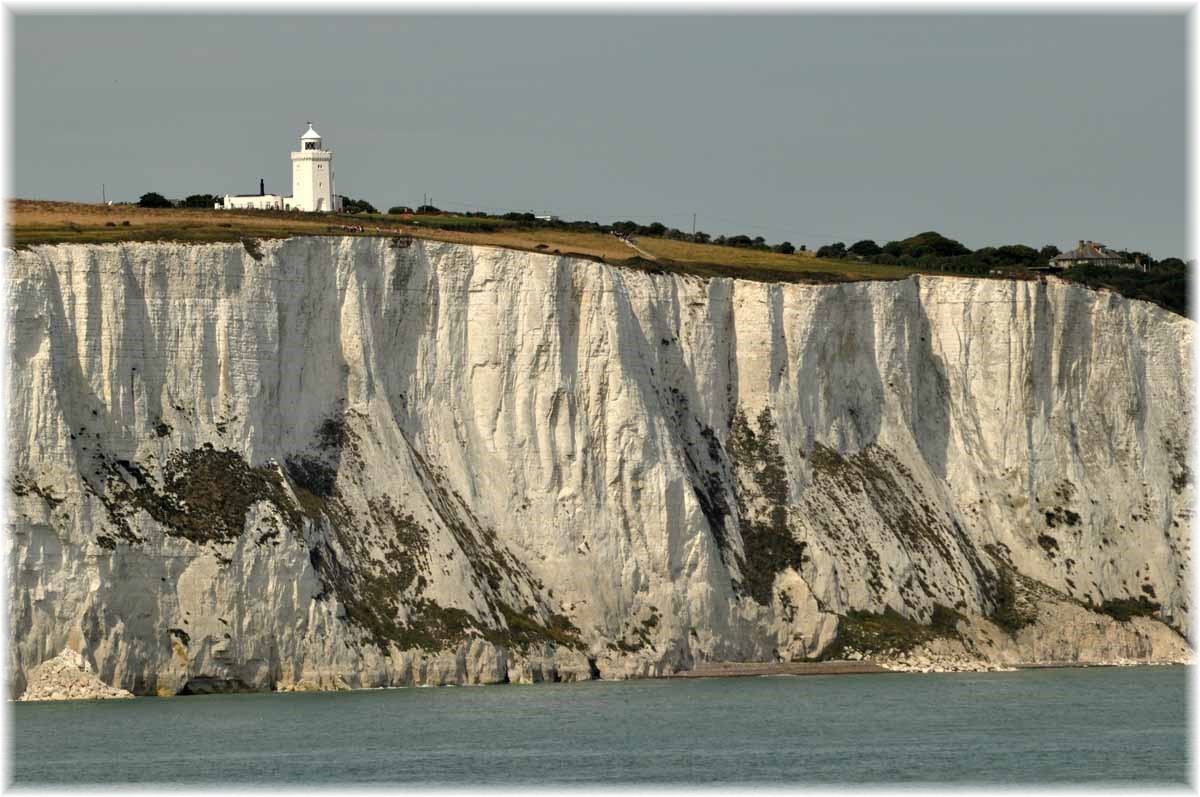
23 485
1125 609
1013 596
888 632
768 538
1164 284
376 566
1060 516
204 497
253 248
1181 474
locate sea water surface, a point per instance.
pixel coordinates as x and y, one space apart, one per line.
1094 725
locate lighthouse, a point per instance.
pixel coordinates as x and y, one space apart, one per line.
312 176
312 183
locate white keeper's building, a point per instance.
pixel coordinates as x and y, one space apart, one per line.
312 183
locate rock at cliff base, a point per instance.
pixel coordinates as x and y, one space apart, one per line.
68 676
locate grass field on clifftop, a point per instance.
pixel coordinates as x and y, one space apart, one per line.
32 222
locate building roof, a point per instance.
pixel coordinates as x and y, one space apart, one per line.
1090 250
310 134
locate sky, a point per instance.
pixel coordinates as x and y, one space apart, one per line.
806 128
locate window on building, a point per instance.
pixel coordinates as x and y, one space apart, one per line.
310 145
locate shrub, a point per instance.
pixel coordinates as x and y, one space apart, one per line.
1164 285
865 248
835 251
1124 609
200 201
944 620
154 200
926 244
867 632
357 206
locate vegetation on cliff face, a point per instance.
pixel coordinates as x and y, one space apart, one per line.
769 540
377 570
1124 609
204 496
1164 284
888 632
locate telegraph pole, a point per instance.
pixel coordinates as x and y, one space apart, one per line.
693 225
103 196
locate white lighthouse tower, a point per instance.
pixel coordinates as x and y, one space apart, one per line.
312 183
312 176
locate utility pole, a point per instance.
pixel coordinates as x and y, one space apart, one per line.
693 225
103 196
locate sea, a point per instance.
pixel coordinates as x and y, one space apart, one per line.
1097 725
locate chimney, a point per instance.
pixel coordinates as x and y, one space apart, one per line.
262 187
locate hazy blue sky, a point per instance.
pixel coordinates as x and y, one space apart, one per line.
1031 129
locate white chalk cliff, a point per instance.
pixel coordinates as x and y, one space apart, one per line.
348 462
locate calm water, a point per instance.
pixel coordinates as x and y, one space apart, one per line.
1095 725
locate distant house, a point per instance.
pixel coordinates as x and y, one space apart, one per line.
260 201
1090 253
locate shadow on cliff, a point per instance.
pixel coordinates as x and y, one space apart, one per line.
840 391
929 415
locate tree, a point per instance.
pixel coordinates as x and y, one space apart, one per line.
835 251
865 248
399 210
154 200
785 248
932 244
357 206
926 245
200 201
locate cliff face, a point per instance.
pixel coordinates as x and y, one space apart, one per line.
350 462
